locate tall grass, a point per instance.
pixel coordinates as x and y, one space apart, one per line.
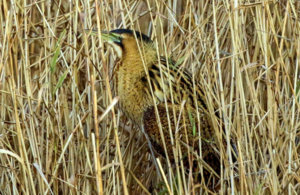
60 132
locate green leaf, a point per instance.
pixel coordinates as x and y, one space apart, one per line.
179 61
56 52
259 188
298 89
192 120
93 32
60 81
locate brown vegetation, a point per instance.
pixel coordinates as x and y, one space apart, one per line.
54 84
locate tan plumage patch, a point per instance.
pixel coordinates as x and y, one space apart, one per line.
171 85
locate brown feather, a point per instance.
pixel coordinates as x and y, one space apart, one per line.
171 85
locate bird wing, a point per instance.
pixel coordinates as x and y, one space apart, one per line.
182 124
174 84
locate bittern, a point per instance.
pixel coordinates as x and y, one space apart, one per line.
147 83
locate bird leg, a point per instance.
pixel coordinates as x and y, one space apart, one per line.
152 153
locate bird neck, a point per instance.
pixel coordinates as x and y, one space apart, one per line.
130 87
137 60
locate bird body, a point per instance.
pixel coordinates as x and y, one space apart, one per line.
128 75
171 85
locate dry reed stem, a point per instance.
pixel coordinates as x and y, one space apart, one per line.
245 53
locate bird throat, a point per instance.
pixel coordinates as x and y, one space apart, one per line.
129 85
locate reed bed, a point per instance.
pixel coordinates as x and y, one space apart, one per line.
61 132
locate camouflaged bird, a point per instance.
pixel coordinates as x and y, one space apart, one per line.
137 60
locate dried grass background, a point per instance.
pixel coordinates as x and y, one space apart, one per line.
53 78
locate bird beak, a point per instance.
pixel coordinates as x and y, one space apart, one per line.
115 40
107 36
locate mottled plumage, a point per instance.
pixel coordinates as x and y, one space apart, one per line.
137 59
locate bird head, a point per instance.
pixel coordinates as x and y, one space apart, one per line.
129 43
